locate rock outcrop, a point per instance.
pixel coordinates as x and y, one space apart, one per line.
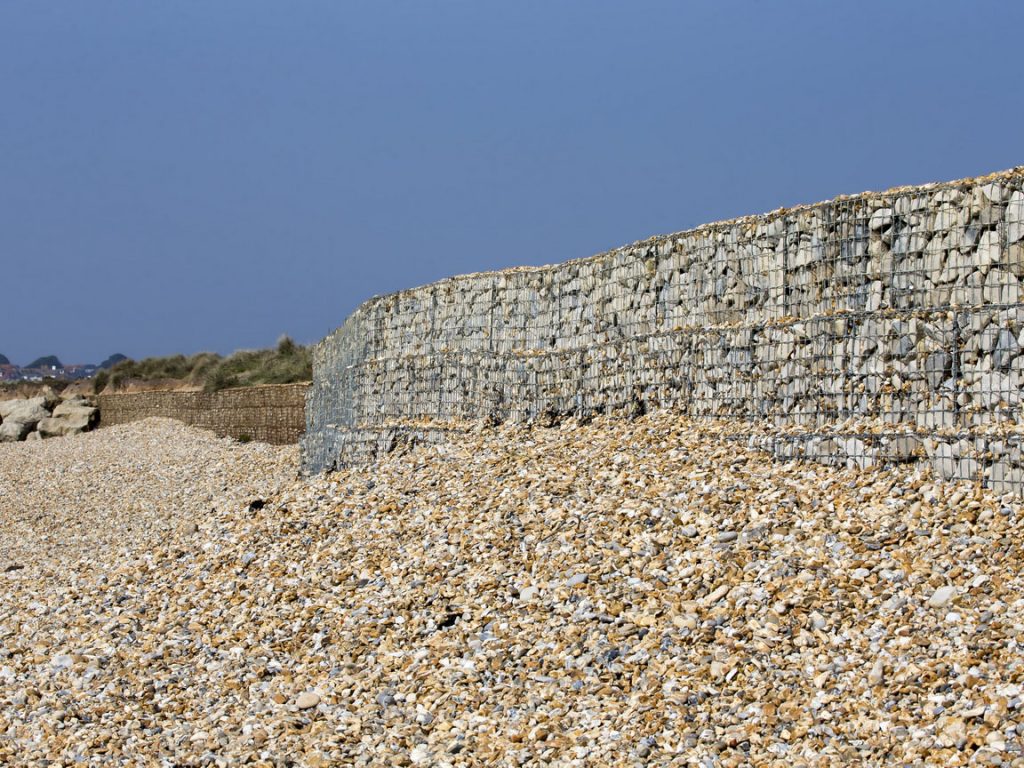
27 412
70 418
45 416
13 431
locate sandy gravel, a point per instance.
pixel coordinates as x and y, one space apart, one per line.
622 593
98 497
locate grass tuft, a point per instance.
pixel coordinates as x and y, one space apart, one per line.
287 363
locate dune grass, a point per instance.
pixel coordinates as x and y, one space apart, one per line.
286 363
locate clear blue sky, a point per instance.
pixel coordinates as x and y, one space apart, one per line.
183 176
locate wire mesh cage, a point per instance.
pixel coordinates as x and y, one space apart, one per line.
881 328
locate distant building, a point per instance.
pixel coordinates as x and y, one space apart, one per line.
43 369
80 371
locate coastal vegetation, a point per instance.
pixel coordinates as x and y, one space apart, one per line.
285 363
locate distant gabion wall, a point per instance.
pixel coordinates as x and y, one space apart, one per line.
271 414
875 328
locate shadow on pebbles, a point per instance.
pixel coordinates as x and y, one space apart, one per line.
621 593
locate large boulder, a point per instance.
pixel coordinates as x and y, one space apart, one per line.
13 431
74 399
50 398
69 418
6 406
29 412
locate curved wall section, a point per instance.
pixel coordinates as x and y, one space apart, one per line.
871 328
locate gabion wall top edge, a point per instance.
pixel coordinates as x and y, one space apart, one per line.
712 226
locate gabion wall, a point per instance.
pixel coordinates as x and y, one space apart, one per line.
273 413
875 328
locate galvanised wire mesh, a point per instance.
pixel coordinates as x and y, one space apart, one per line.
885 327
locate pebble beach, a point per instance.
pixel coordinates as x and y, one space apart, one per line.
623 592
